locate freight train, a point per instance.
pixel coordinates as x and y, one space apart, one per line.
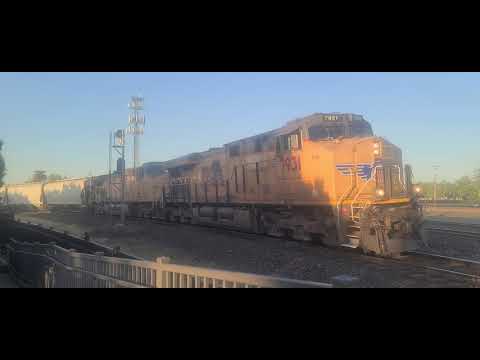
322 178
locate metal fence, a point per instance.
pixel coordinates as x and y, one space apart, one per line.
50 266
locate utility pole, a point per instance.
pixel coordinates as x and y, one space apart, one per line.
435 169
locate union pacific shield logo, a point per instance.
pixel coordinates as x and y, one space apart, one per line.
364 170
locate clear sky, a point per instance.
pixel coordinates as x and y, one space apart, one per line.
59 122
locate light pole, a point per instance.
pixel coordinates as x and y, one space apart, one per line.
435 169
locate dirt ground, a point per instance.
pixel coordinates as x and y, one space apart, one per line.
229 250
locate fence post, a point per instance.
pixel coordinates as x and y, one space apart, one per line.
160 261
116 251
99 255
49 277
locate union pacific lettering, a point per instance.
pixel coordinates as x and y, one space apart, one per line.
291 163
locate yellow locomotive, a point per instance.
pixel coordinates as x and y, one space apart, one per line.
325 177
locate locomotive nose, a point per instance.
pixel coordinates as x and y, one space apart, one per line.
391 231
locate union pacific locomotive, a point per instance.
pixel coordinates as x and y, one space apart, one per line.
323 178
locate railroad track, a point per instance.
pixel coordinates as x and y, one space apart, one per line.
465 268
32 232
454 232
453 239
453 226
448 236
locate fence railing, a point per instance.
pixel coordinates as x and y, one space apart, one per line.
51 266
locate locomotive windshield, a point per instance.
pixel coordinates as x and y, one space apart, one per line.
361 128
322 132
335 131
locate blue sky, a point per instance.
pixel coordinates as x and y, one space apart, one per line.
60 122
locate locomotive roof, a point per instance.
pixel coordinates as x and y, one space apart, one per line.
317 118
290 126
326 118
185 160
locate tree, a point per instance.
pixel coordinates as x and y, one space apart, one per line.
476 176
2 165
38 176
466 189
427 189
55 177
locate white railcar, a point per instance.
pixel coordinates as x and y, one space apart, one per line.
69 192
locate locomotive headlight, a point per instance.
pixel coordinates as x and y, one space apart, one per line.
380 192
376 149
376 152
418 189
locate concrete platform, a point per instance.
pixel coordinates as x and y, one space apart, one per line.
5 281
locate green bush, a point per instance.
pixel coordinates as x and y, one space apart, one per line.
466 188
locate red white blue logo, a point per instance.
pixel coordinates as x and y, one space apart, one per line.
364 170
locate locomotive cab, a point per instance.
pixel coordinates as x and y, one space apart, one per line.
380 213
360 176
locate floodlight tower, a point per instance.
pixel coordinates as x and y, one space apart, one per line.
136 124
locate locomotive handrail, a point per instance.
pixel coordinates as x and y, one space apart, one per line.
363 187
400 179
342 198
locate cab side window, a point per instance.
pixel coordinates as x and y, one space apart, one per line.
258 145
293 142
234 150
289 142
